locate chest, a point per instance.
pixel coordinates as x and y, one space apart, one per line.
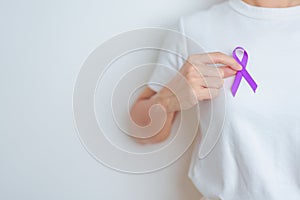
276 71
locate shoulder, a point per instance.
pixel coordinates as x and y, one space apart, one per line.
206 17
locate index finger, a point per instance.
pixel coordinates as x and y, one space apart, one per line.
220 58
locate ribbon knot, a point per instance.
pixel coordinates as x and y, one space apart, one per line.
243 73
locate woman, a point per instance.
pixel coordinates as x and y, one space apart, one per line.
258 153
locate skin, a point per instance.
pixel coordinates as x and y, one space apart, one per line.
273 3
196 81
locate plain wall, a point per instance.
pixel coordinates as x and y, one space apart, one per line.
42 47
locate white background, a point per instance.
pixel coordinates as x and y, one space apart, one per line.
42 47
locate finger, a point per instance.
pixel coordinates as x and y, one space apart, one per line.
218 58
227 71
212 82
206 71
207 93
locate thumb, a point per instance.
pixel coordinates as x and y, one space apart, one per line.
228 71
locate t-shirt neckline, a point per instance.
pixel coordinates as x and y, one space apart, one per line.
264 13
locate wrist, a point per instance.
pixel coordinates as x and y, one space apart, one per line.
166 99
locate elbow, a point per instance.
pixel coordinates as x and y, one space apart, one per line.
153 126
137 116
160 137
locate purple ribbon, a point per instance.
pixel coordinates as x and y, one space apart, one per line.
243 73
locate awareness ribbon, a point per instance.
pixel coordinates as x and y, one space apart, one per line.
243 73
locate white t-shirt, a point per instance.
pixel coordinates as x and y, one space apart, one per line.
255 136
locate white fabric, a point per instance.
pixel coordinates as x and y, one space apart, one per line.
257 155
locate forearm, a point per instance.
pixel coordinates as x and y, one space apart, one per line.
152 111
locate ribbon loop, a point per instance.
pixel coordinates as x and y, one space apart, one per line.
243 73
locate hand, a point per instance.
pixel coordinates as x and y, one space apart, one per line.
197 81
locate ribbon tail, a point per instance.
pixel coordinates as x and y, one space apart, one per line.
250 80
236 83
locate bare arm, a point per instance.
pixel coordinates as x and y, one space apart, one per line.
196 81
141 109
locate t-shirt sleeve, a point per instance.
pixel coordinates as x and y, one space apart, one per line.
171 57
